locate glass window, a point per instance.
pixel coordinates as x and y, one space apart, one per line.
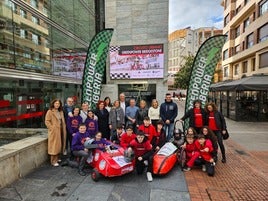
246 23
34 3
225 54
35 20
246 1
253 63
237 49
35 39
226 19
263 7
245 67
264 60
23 13
236 69
225 72
22 33
250 41
237 9
263 33
237 31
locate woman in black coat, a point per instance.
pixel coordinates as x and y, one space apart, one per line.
196 115
103 120
217 124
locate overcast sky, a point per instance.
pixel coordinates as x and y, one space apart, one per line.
195 13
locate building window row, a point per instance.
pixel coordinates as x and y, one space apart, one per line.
262 8
243 67
250 40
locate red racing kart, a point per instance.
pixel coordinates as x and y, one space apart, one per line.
109 163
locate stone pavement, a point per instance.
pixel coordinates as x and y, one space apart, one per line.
244 177
63 183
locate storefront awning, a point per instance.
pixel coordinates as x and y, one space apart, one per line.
252 83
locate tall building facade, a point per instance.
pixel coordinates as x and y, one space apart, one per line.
246 51
139 49
43 45
186 42
244 95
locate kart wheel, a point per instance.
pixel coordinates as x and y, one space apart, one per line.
95 175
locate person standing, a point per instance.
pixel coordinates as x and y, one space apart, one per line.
217 124
55 122
123 104
84 111
103 120
141 113
116 117
68 112
168 113
131 114
154 113
196 115
72 127
91 124
108 103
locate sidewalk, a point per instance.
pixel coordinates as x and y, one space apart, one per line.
245 175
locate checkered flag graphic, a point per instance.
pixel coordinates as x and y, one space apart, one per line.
209 53
115 76
95 66
114 48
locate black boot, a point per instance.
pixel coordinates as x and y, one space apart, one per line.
223 160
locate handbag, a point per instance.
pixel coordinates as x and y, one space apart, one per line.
226 135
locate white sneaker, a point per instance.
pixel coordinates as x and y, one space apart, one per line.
204 169
149 176
55 164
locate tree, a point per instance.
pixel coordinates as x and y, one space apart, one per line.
182 77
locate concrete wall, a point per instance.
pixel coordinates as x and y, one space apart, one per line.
19 158
138 22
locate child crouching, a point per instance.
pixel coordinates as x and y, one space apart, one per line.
78 147
143 152
205 148
191 152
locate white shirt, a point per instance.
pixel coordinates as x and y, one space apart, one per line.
154 113
123 106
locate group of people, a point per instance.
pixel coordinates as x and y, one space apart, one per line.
138 129
206 129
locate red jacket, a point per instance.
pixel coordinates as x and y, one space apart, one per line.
190 149
126 139
207 144
140 148
149 131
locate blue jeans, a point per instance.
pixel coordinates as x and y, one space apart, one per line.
169 128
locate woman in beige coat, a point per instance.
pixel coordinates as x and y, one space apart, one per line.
56 131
